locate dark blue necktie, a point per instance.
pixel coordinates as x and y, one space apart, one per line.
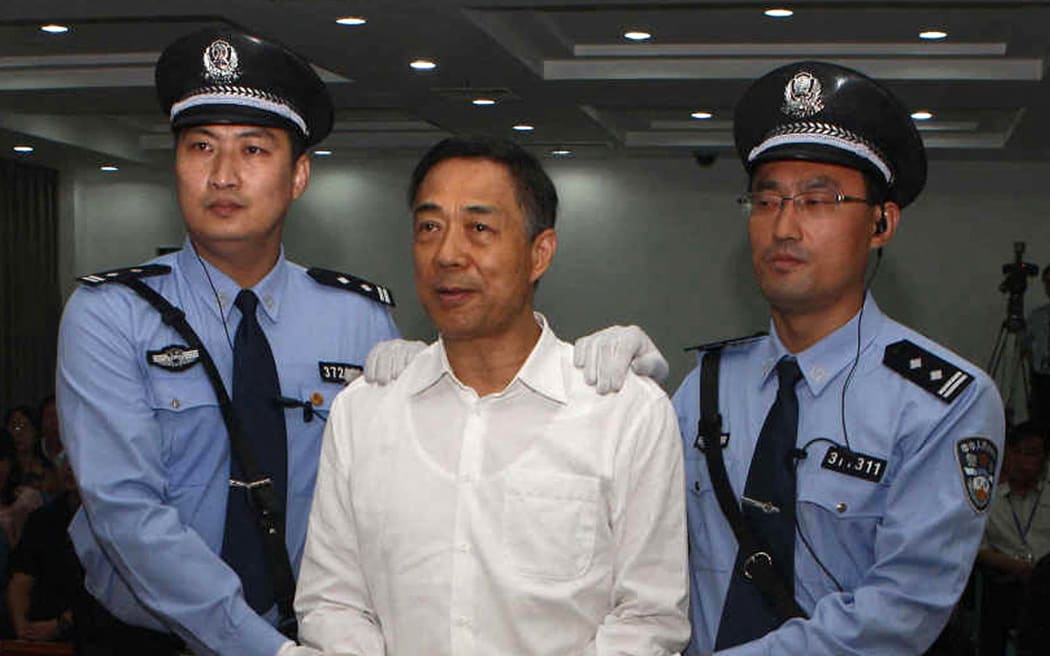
746 614
261 418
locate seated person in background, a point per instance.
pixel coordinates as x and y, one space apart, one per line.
50 443
1017 535
489 500
9 475
16 500
37 471
46 576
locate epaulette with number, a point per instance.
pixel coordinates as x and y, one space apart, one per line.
735 341
129 273
352 284
938 377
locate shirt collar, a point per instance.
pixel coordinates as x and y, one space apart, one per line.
822 361
203 276
541 371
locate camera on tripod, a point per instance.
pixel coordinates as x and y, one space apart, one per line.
1015 284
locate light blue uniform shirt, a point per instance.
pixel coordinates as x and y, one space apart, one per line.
151 452
901 548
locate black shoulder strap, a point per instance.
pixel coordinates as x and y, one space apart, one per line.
350 283
757 564
270 517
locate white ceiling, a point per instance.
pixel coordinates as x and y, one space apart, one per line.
560 66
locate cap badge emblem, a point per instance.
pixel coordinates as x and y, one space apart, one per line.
802 96
220 62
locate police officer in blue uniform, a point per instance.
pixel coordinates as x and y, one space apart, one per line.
859 454
143 422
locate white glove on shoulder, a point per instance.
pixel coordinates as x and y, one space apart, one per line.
291 649
606 355
388 359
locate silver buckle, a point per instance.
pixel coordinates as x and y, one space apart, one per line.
765 506
250 484
752 559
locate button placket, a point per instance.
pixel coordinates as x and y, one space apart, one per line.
464 565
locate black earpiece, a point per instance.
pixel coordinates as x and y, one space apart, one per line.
880 225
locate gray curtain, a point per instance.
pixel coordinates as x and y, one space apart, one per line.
30 298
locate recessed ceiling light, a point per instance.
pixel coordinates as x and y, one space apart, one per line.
423 65
322 152
779 12
52 28
702 116
108 168
637 35
524 127
23 149
933 35
922 115
483 102
561 152
351 21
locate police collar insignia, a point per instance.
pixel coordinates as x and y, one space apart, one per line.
173 357
802 95
220 62
343 373
977 457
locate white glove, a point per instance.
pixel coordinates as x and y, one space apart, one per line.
388 359
291 649
606 355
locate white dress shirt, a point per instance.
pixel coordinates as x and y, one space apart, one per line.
1020 526
544 519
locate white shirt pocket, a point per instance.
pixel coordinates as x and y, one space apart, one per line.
549 523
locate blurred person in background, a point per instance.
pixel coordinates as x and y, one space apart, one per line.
50 444
1017 535
46 576
23 423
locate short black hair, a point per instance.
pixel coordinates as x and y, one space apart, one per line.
532 186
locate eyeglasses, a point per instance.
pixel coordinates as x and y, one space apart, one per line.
818 203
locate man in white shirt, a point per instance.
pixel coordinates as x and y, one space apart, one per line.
489 501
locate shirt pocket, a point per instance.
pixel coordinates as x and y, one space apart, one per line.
192 432
838 515
710 547
550 523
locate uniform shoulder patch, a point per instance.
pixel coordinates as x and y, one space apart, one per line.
129 273
938 377
734 341
977 457
351 283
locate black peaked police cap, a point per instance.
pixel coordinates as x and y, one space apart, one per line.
216 76
823 112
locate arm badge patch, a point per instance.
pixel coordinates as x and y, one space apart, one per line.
977 457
